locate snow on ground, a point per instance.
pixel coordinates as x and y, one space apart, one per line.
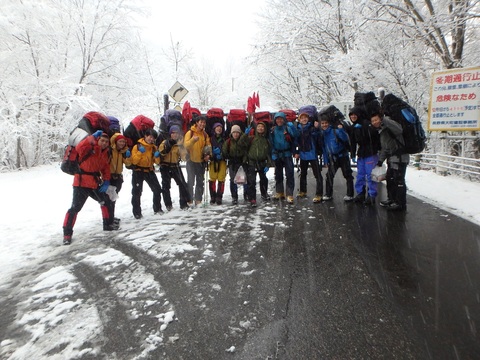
34 205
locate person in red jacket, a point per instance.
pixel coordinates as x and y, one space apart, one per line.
92 181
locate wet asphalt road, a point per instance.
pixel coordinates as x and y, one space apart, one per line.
344 281
303 281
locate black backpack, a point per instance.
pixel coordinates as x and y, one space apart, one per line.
401 112
367 102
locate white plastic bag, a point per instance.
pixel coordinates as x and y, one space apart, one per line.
379 173
112 192
240 176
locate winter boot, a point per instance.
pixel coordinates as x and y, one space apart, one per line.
67 239
213 193
360 198
220 189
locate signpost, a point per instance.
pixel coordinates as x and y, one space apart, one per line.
455 100
177 92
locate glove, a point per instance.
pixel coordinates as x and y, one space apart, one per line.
97 134
104 187
128 153
357 126
156 154
248 129
274 156
216 151
141 149
379 164
265 169
354 160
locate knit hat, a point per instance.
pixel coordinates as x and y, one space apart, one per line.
120 137
280 114
174 128
236 128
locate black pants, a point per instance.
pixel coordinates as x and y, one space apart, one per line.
80 196
138 177
196 176
174 172
117 181
396 188
334 164
252 171
317 172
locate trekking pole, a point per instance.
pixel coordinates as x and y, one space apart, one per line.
205 185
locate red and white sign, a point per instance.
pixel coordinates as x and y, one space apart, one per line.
455 100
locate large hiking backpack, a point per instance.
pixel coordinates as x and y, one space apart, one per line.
311 111
367 102
331 114
88 124
136 129
290 114
71 163
236 117
214 115
170 118
406 116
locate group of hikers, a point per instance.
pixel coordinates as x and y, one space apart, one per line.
307 140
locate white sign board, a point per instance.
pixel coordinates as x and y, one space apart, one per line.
177 92
455 100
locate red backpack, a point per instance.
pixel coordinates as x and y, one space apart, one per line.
236 117
290 114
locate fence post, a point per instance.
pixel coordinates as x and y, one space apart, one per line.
440 170
417 160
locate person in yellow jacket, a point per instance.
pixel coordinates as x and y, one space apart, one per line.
172 151
197 143
119 155
144 156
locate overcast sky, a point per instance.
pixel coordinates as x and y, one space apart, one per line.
215 29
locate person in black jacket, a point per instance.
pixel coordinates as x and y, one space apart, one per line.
367 145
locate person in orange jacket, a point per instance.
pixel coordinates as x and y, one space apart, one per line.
119 155
92 181
144 156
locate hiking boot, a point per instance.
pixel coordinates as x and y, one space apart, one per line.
386 203
234 201
317 199
212 201
169 208
327 198
265 198
116 221
253 203
302 194
110 227
137 216
198 202
159 212
394 206
370 200
67 239
360 198
219 201
279 196
290 199
348 198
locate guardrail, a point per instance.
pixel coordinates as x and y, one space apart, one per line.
466 168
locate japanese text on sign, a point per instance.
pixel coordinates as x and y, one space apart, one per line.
455 100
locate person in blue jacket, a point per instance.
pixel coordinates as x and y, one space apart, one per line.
309 146
335 156
283 139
